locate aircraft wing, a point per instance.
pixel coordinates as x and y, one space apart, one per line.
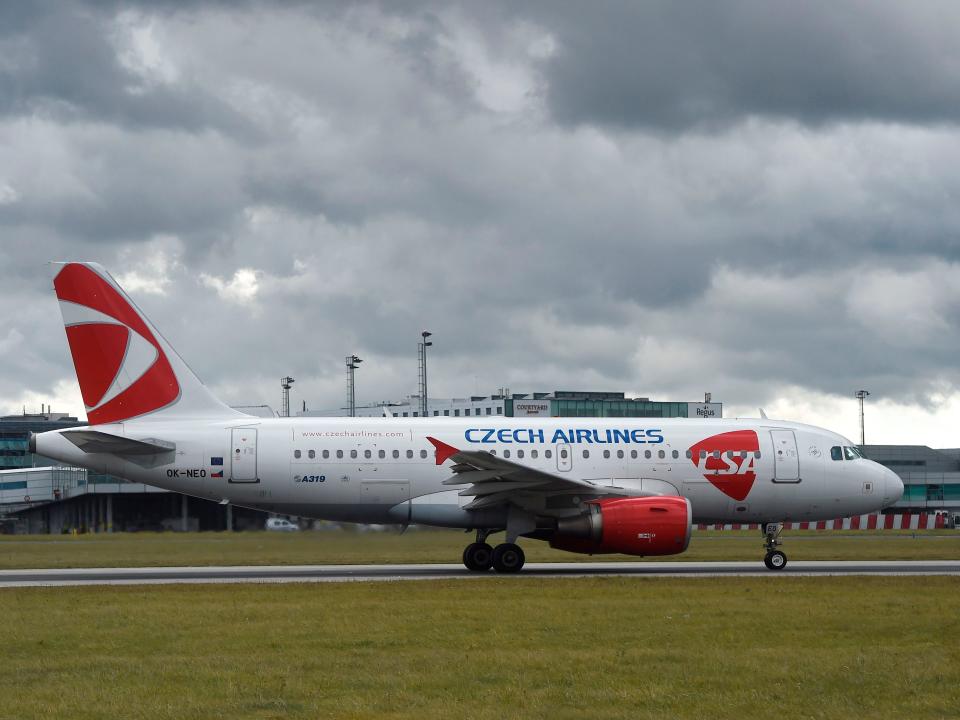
494 480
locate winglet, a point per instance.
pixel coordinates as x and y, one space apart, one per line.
763 415
444 451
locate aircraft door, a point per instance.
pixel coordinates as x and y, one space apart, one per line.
243 455
564 457
786 460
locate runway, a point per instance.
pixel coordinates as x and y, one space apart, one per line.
365 573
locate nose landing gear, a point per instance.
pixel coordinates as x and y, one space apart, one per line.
774 559
505 558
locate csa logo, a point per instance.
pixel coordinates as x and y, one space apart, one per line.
122 369
733 475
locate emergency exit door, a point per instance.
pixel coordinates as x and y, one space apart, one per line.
785 457
243 455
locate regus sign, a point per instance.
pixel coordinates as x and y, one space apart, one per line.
704 410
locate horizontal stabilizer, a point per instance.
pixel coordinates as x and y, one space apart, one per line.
95 441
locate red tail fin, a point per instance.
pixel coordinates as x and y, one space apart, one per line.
125 367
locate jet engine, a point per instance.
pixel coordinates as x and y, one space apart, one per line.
633 526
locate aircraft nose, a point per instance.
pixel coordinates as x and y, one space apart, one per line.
892 486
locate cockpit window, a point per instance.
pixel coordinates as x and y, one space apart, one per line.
836 453
852 453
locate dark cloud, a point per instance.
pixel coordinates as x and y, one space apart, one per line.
60 62
705 65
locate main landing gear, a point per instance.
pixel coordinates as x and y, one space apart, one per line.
774 559
505 558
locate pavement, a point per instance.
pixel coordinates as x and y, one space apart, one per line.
362 573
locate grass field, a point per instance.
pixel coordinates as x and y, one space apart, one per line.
309 548
518 648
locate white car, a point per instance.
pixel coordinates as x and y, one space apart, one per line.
281 525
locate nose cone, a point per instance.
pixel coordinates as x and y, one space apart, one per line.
892 487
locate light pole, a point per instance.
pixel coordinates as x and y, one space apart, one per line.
353 362
861 396
285 383
422 347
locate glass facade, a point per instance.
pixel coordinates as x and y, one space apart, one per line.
931 478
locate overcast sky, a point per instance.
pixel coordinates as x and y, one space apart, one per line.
756 199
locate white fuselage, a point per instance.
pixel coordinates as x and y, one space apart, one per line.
378 470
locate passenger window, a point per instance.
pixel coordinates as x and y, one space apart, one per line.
620 454
548 454
520 454
366 454
506 453
409 454
446 413
661 454
339 453
676 454
703 454
633 454
836 453
563 453
586 453
689 455
326 454
381 454
396 454
534 454
646 454
757 454
423 454
606 454
353 454
311 454
296 454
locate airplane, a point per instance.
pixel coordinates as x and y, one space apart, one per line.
633 486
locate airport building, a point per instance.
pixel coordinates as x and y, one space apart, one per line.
557 403
931 478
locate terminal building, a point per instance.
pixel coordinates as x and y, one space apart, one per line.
557 403
931 478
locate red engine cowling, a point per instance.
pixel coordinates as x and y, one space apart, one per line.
633 526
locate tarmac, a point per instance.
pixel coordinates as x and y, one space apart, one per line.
366 573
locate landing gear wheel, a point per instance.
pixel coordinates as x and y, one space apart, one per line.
775 560
478 557
508 558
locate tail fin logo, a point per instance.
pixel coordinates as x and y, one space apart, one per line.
728 461
122 368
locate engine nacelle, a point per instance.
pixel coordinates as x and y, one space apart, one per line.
632 526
